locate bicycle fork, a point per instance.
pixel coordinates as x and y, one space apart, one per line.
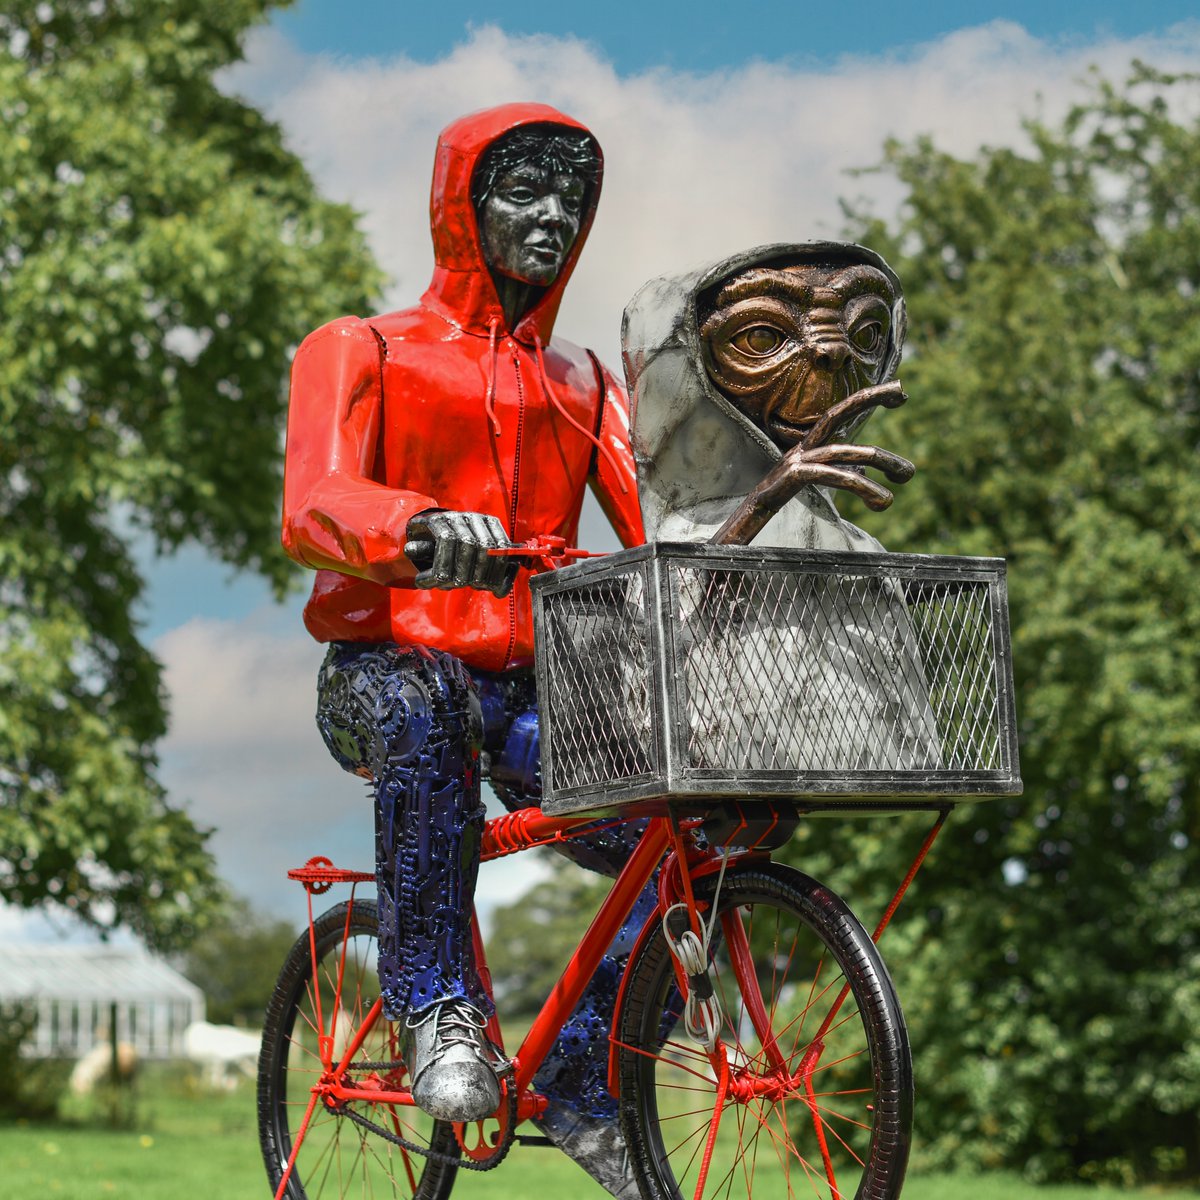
690 959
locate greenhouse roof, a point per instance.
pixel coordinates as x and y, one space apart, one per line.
106 973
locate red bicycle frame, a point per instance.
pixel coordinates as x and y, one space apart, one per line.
665 841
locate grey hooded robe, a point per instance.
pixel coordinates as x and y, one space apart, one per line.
831 680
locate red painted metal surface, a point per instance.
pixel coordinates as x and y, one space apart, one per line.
527 827
319 874
926 846
742 962
443 406
600 933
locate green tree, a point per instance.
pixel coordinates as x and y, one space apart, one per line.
1049 958
533 938
235 962
161 251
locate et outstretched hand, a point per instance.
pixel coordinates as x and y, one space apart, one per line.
811 461
450 550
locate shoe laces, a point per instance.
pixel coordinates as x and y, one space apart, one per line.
460 1023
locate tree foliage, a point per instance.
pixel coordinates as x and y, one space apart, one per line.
533 938
161 251
236 961
1049 959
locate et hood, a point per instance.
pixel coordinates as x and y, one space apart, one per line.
697 455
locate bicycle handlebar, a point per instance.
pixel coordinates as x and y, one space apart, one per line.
542 553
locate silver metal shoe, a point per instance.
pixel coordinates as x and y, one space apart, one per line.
450 1071
596 1144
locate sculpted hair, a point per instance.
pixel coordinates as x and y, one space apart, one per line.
547 147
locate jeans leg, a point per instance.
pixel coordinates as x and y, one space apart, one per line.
409 719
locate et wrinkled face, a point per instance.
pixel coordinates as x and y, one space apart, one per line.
529 222
786 344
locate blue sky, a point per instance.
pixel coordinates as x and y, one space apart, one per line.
705 37
724 126
638 38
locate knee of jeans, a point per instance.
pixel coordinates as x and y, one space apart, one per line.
381 706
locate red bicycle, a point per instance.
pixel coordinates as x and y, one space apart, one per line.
757 1042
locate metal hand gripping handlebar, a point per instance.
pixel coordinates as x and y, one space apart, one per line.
544 552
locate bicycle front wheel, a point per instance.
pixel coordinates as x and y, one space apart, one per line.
337 1157
817 1099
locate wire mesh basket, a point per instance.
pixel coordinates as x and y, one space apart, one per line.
689 674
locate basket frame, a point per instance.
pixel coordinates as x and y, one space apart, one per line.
672 783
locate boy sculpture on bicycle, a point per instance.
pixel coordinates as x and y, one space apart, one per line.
458 425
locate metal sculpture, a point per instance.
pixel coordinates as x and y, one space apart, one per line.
418 441
748 378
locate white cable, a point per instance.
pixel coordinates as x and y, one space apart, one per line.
701 1018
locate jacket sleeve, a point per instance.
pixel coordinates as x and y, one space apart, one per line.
335 515
614 476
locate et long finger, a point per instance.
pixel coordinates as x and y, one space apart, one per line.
874 495
890 395
895 467
752 515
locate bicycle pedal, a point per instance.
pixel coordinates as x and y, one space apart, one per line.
533 1139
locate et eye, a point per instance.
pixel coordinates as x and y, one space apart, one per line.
868 337
758 340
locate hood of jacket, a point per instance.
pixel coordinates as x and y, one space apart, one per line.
462 290
697 454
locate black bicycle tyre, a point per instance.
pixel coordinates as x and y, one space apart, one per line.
828 918
275 1135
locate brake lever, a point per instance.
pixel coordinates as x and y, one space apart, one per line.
543 553
537 554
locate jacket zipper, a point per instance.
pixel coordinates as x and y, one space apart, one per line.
512 516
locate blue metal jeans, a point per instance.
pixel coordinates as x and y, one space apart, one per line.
416 722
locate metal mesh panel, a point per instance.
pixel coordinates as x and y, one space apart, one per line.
953 627
598 707
692 671
796 672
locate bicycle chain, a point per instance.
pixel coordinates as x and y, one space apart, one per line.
507 1076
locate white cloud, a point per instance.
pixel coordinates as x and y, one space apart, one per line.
697 166
245 757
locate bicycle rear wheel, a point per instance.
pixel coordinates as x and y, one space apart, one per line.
337 1157
819 1095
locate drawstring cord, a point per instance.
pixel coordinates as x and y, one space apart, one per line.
587 433
490 398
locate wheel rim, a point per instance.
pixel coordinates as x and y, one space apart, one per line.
338 1157
798 1114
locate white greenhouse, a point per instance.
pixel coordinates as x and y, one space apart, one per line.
73 990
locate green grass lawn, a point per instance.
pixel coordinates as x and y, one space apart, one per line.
188 1144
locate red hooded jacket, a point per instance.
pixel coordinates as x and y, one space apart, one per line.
443 406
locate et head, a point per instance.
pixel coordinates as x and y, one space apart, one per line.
785 342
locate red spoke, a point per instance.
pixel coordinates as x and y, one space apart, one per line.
694 1112
697 1132
670 1062
785 1150
397 1127
837 1062
845 1145
832 1112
